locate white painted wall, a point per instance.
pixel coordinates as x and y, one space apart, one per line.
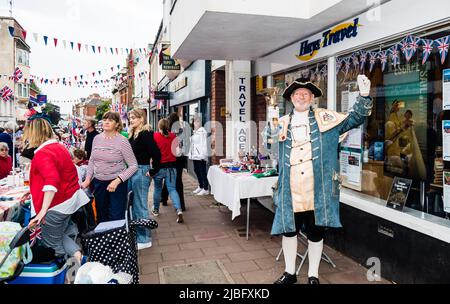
396 17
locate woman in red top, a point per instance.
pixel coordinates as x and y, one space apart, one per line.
167 143
5 160
54 189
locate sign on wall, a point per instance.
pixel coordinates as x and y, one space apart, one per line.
167 62
242 109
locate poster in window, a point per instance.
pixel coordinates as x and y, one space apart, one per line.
399 193
406 96
446 139
447 191
351 169
355 136
446 89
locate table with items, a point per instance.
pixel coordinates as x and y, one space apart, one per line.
231 184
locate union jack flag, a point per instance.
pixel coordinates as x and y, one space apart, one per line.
373 59
6 93
395 55
17 75
363 59
442 45
338 65
355 61
383 59
412 46
347 62
427 47
35 234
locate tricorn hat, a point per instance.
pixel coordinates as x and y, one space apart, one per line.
302 83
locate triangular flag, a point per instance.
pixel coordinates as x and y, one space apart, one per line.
72 44
93 48
99 49
79 47
11 30
383 59
56 41
443 45
373 59
100 73
45 39
117 51
64 44
112 69
93 74
24 34
118 66
106 50
35 36
87 48
112 51
427 47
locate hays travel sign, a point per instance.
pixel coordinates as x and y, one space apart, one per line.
310 49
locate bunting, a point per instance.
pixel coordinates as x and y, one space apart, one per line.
442 44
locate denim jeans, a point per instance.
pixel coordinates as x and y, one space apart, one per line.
139 183
169 175
110 206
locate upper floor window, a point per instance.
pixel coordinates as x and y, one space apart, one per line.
23 57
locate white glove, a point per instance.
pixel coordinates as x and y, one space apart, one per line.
364 85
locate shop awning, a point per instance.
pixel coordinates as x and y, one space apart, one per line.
224 30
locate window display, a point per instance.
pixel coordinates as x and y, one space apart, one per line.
403 136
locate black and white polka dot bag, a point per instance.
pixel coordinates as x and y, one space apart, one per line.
117 248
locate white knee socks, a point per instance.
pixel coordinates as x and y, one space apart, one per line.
314 257
289 245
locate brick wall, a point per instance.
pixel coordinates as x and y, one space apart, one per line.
218 141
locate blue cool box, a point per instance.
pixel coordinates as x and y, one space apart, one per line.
42 274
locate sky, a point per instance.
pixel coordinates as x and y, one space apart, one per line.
106 23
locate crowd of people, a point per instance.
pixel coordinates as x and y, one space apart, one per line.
100 167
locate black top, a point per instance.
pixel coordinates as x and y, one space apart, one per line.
88 145
145 148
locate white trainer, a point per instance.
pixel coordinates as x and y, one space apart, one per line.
203 192
196 191
144 245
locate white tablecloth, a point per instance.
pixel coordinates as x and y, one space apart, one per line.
229 188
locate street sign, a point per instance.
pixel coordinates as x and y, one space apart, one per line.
161 95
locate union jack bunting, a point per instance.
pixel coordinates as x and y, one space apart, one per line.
362 59
355 61
373 59
6 93
404 44
35 235
442 45
383 58
17 75
427 47
347 62
338 65
412 46
393 51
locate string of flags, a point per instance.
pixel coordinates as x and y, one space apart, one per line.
77 46
408 46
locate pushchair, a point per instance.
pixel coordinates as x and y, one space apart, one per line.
117 247
21 238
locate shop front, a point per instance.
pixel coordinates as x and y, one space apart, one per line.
395 202
191 97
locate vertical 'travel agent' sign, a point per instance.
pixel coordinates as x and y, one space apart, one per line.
243 99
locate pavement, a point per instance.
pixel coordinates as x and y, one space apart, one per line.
209 234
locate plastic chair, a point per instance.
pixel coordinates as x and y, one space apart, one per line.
302 238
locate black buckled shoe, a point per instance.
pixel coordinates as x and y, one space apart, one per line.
313 280
287 278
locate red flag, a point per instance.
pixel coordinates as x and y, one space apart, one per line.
117 51
99 49
56 41
112 69
79 47
24 34
76 77
93 74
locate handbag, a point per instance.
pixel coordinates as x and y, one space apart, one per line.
117 248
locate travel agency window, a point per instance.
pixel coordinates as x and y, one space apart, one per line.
316 73
403 136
